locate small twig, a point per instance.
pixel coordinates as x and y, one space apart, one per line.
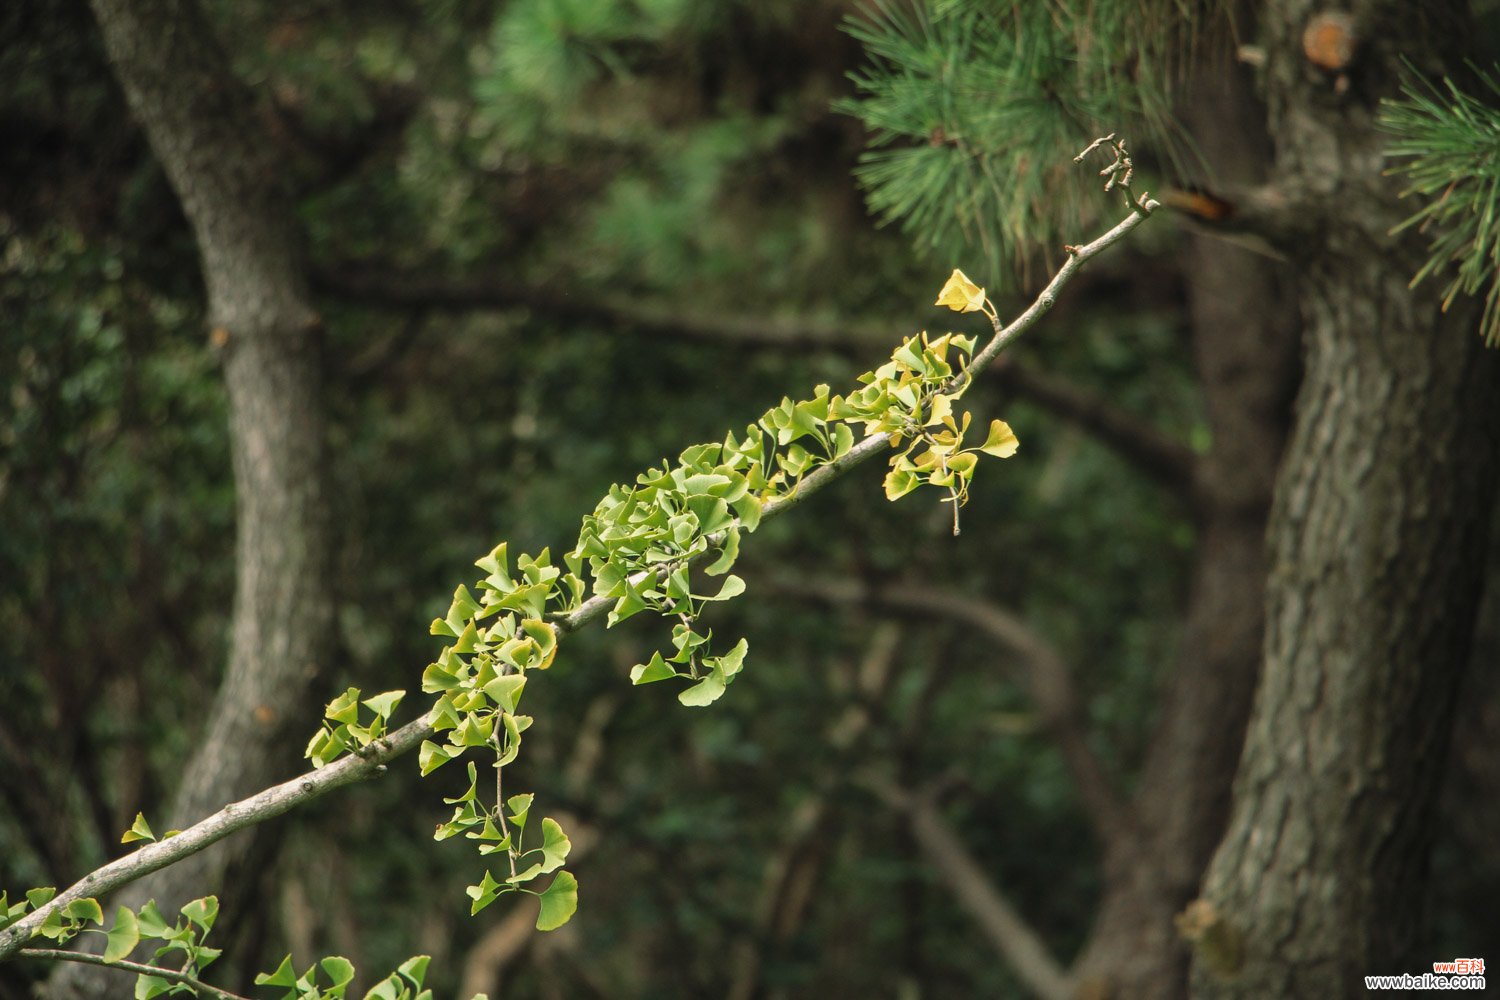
198 987
1118 174
510 852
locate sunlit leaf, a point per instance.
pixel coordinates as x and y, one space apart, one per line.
344 708
960 294
152 923
340 973
284 975
484 893
1001 442
898 484
555 845
203 911
414 969
733 587
87 909
385 703
431 757
520 808
149 987
505 691
139 830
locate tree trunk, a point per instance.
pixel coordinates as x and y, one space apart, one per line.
1244 348
202 124
1377 541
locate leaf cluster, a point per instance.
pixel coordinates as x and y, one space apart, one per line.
403 984
342 730
328 979
186 937
637 551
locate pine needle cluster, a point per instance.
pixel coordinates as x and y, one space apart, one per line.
1451 140
977 108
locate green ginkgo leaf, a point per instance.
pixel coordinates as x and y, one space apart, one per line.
123 936
559 902
139 830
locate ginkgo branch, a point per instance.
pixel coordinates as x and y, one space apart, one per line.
198 987
236 816
371 760
874 444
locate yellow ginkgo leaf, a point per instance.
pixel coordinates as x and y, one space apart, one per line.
1001 442
960 294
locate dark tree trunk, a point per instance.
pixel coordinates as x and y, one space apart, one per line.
203 126
1244 347
1376 540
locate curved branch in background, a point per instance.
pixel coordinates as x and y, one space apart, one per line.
1047 675
792 871
1010 934
313 784
498 947
1167 461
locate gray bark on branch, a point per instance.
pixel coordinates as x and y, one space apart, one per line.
236 816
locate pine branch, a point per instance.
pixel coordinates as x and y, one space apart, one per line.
1451 143
973 106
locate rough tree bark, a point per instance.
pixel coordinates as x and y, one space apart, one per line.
204 129
1377 541
1244 337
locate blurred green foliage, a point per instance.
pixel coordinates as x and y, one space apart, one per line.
679 150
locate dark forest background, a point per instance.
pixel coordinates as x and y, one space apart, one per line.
549 243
